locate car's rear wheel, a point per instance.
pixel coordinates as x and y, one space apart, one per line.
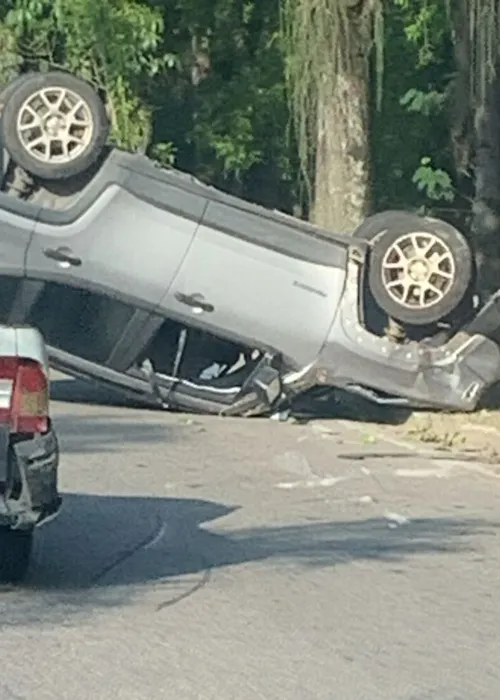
54 125
420 268
15 553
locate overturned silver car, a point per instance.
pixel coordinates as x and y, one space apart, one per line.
173 291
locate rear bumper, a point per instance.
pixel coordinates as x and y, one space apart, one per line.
28 479
453 376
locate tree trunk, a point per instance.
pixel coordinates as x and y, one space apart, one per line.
462 103
475 133
342 185
486 207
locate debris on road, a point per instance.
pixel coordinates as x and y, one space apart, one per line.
395 519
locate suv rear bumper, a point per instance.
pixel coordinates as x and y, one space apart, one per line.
28 479
452 376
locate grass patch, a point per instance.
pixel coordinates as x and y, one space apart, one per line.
466 433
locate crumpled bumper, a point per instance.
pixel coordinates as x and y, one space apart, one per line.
28 479
452 376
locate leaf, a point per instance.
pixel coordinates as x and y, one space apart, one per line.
408 97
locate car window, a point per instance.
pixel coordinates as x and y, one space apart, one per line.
9 287
80 322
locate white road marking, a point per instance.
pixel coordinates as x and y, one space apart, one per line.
443 472
316 482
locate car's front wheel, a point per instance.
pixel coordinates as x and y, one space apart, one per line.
420 268
15 553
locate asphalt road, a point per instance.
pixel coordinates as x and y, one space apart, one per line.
226 559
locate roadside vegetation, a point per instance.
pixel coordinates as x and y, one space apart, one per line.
326 108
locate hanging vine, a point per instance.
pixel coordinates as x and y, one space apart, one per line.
321 39
484 30
475 32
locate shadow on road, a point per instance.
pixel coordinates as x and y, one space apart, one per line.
80 391
107 433
106 551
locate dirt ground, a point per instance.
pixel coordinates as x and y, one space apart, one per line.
469 436
474 435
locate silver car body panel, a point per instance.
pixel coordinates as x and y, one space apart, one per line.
150 235
26 342
173 248
263 296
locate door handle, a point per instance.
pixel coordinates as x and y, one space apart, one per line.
62 255
195 301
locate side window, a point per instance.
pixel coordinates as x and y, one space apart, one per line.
79 322
9 287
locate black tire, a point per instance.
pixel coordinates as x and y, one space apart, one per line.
7 90
383 230
15 554
78 163
376 224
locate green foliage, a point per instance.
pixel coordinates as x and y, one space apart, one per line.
224 106
164 154
435 182
206 85
425 27
413 122
112 43
424 103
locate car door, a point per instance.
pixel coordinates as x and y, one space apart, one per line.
107 258
253 276
17 222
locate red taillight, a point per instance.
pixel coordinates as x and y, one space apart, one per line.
24 395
